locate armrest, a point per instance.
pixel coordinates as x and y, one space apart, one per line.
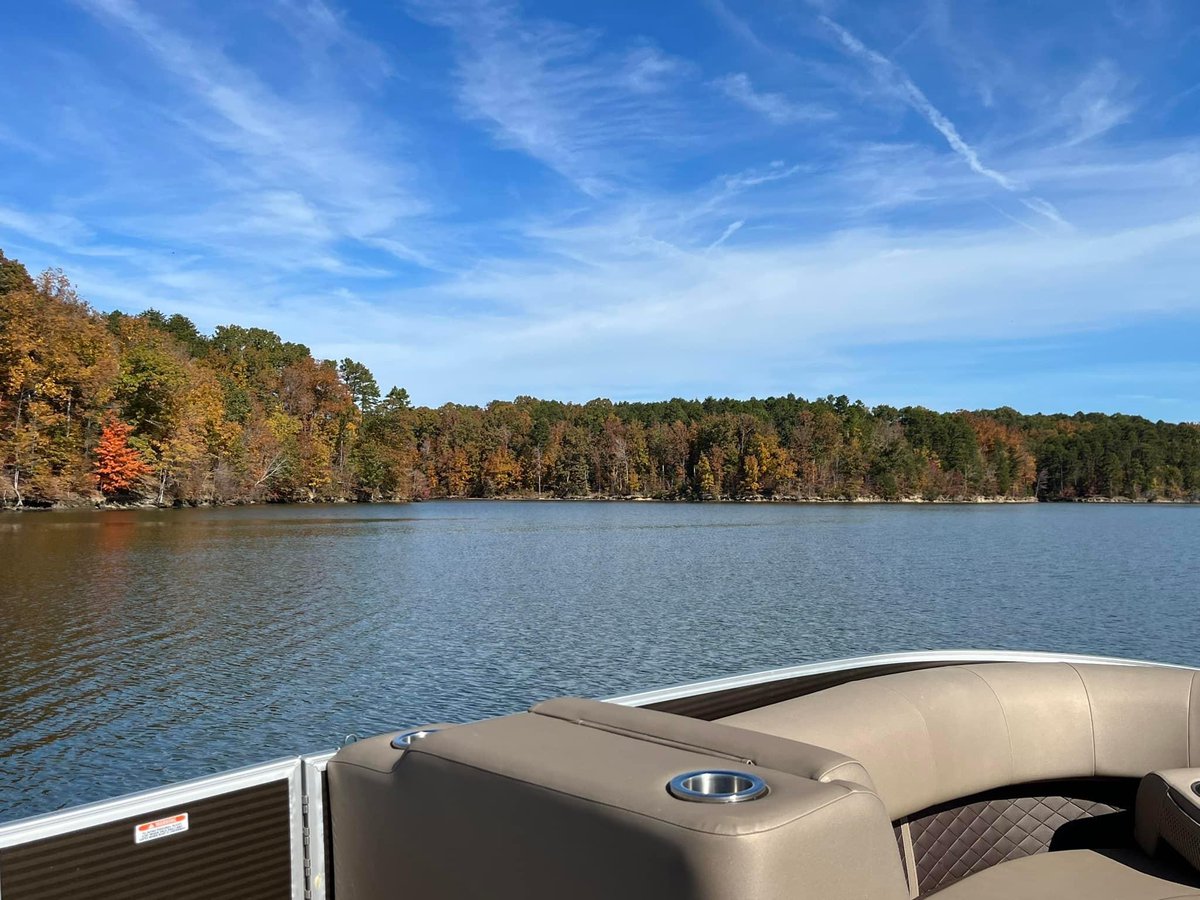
540 808
711 738
1168 811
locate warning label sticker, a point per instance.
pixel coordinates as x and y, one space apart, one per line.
160 828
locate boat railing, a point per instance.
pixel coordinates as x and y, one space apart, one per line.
259 830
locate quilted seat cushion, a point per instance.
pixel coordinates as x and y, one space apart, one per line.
1077 875
951 844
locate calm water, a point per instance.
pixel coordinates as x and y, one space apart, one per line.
138 648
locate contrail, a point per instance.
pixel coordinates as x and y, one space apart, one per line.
916 98
727 234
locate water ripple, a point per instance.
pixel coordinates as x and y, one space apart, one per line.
138 648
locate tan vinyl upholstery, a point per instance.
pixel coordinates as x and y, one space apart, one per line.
1076 875
711 738
935 735
542 808
570 800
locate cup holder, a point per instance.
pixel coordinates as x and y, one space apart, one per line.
717 786
405 739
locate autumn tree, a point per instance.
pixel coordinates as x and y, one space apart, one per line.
706 483
57 363
500 472
13 276
119 467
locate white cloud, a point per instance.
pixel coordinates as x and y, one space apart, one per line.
46 228
666 312
739 27
324 32
317 172
553 91
1097 105
776 107
893 77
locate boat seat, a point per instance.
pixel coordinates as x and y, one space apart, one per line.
933 736
1077 875
541 806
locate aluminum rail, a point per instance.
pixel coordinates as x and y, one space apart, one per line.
317 864
917 657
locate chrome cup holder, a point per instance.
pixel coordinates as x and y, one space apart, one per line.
405 739
717 786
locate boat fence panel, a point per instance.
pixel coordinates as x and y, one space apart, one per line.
236 835
318 848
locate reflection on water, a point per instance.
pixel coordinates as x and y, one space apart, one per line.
139 648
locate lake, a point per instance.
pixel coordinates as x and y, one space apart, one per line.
144 647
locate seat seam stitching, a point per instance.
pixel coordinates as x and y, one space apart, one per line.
1091 712
1012 757
937 775
847 762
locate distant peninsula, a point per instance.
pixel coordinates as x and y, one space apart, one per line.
116 409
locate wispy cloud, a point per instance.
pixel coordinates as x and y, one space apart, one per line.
313 170
49 228
836 296
1097 105
739 27
325 32
774 106
16 142
555 92
895 78
661 226
960 34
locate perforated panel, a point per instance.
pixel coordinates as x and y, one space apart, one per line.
1179 829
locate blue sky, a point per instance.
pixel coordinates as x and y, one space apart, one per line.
958 204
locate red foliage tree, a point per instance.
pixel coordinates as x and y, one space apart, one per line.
118 465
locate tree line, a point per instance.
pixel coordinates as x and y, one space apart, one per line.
146 408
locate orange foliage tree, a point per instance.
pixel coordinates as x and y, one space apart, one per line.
119 466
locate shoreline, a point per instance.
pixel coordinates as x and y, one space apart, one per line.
105 506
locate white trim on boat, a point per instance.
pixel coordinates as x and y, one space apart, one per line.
712 685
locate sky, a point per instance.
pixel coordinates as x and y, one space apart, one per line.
954 204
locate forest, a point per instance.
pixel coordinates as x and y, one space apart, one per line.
115 408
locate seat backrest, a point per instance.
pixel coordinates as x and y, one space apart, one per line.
935 735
